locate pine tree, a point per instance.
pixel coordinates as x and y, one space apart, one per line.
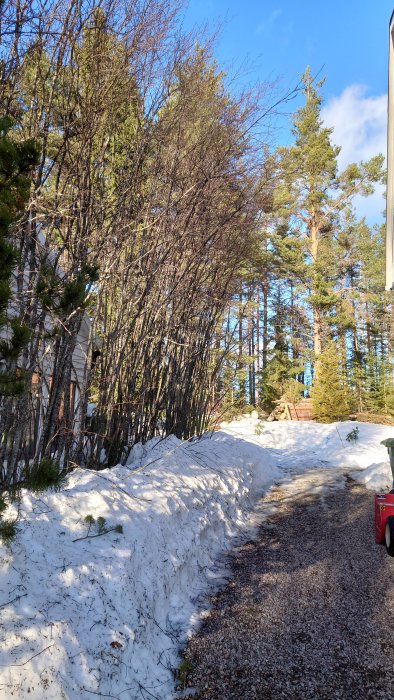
16 163
330 395
313 197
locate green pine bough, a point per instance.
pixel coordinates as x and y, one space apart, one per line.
97 528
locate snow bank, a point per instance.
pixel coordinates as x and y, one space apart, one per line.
107 615
307 445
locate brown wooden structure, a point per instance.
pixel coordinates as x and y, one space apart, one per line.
302 410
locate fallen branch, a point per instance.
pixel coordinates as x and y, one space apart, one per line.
18 597
27 661
99 534
101 528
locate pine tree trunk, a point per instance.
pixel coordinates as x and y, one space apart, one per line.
257 375
242 381
265 321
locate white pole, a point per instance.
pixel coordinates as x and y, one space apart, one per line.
390 164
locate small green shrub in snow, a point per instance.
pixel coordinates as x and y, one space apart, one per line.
259 428
8 528
185 669
353 435
46 475
8 531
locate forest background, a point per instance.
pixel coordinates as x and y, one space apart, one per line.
140 187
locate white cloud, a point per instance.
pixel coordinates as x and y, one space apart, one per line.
359 123
267 24
360 127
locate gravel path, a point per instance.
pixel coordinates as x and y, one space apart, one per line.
309 613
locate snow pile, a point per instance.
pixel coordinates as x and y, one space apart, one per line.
107 615
309 445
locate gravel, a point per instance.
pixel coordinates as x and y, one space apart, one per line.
309 611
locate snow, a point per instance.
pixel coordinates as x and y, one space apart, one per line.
107 615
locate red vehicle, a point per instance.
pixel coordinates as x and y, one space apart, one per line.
384 508
384 521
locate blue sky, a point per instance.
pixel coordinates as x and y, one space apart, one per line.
346 41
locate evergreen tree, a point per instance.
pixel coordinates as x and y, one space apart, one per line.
16 163
313 197
330 394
